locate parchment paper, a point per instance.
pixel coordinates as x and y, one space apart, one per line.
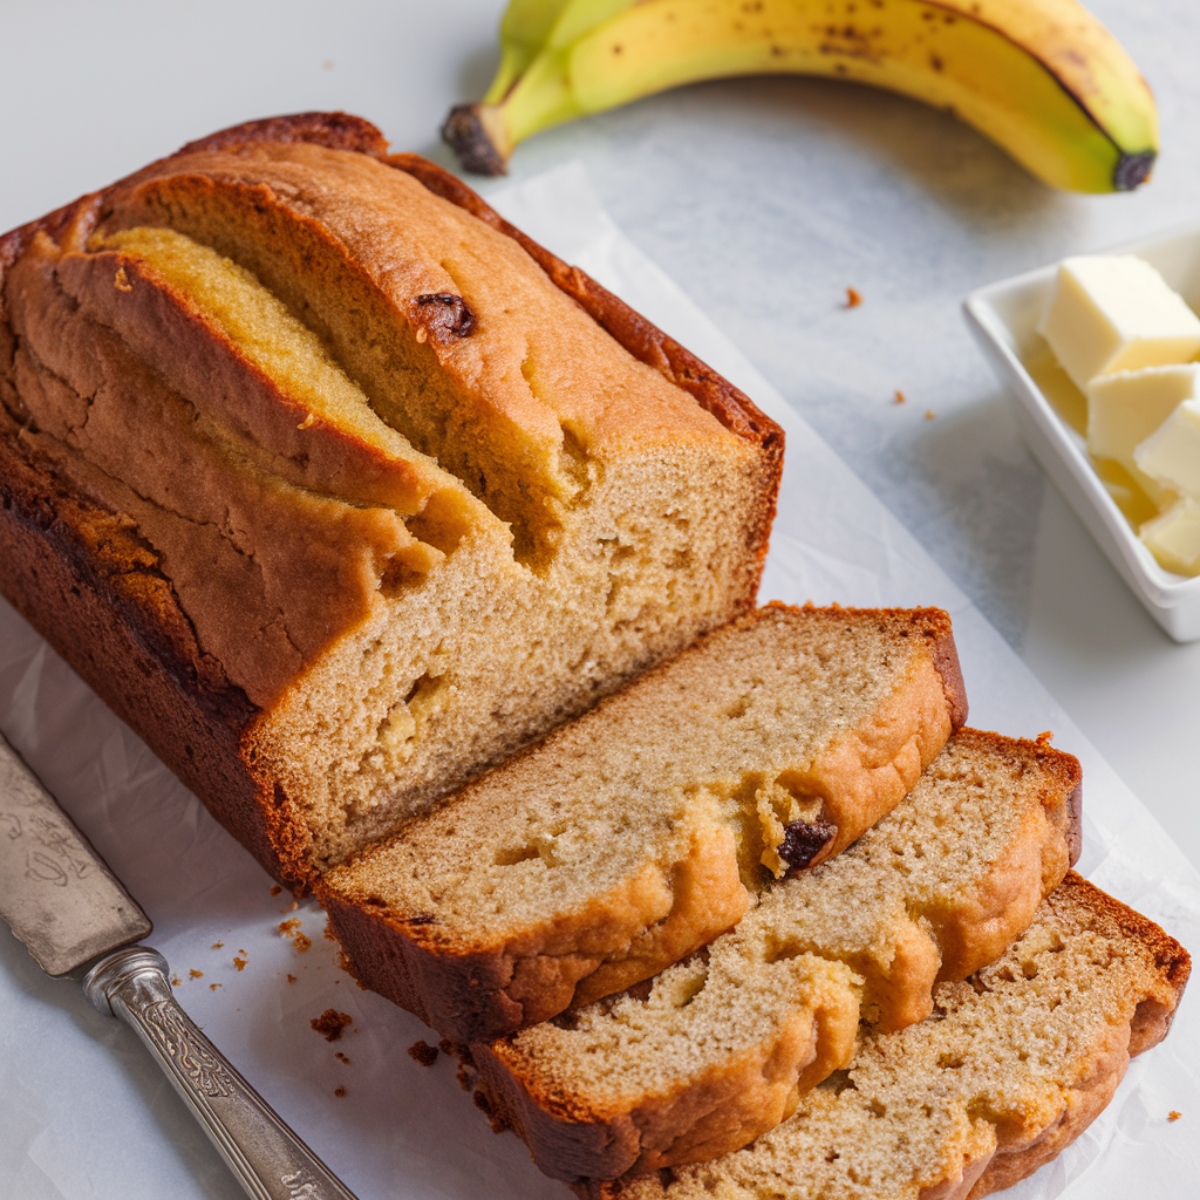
83 1113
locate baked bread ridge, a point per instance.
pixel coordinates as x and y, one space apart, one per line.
716 1049
1015 1064
631 837
246 777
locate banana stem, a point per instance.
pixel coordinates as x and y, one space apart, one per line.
483 135
475 132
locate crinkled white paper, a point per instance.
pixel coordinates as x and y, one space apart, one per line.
83 1113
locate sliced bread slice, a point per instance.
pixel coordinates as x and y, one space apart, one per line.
718 1049
637 834
1011 1067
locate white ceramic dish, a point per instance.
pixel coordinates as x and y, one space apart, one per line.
1003 317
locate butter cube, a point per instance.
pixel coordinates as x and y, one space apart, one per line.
1126 408
1171 455
1116 313
1174 537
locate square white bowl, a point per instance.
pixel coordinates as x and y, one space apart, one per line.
1003 317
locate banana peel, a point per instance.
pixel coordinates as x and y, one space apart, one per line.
1042 78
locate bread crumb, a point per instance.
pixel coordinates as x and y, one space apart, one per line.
194 974
339 1092
276 889
291 929
423 1053
899 397
929 414
331 1024
212 987
330 936
328 64
1045 737
175 981
291 979
217 945
240 963
853 298
121 281
1173 1115
342 1058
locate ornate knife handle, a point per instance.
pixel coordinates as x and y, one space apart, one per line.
269 1160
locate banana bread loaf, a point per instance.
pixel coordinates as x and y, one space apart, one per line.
717 1049
636 834
338 489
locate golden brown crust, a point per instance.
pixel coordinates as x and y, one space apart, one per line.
192 354
334 130
204 732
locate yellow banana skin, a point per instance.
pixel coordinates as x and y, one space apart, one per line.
1042 78
533 33
524 30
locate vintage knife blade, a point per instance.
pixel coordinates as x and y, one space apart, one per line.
56 893
60 898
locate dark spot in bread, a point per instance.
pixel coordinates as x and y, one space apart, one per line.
803 841
445 315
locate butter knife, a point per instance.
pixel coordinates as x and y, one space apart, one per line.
60 899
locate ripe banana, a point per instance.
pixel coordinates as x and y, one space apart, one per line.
1042 78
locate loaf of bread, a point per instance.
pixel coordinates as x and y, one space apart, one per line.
639 832
338 489
1011 1067
717 1049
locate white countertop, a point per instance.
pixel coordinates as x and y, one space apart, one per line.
764 199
